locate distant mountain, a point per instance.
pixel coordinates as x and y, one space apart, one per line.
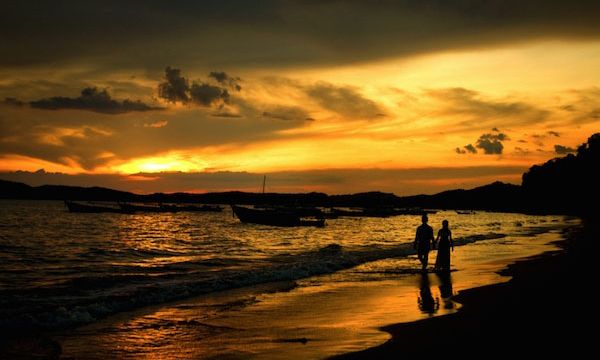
15 190
567 185
497 196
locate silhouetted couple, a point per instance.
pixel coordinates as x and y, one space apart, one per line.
424 242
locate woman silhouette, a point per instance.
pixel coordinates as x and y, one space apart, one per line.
445 243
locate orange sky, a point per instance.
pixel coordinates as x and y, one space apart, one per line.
495 101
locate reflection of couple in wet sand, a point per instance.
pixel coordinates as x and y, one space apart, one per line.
424 242
427 303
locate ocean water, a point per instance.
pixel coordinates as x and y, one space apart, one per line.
60 270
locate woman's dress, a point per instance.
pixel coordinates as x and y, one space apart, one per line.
443 255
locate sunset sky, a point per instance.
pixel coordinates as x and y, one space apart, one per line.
335 96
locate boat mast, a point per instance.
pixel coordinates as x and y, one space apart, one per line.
264 181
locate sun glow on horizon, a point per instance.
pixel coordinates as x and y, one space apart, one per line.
156 164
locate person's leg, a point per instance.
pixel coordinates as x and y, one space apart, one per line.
420 255
425 260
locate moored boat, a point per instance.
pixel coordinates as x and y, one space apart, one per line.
381 212
146 208
203 208
274 217
163 208
88 208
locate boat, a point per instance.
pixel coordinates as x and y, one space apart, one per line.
380 212
347 213
88 208
162 208
300 211
414 211
147 208
465 212
274 217
205 208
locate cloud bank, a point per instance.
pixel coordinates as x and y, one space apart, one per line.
92 99
177 89
257 34
563 150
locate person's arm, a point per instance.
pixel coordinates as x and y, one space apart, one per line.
451 241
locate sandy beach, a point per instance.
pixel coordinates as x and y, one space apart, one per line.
543 309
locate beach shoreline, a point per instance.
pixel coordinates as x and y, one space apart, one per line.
542 309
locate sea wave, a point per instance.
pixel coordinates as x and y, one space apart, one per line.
88 298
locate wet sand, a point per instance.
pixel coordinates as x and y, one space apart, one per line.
547 307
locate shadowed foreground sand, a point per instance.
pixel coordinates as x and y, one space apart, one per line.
547 306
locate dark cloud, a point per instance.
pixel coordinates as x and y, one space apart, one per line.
502 137
586 106
522 151
470 148
258 33
208 95
539 139
482 111
594 115
343 100
467 149
288 113
563 150
175 88
491 143
226 114
14 102
224 79
92 99
568 107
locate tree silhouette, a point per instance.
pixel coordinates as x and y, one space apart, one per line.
568 184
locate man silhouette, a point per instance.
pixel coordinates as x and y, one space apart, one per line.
423 241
